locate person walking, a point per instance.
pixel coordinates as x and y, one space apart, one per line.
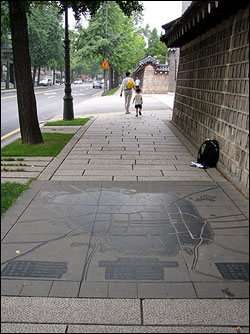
138 102
137 82
127 86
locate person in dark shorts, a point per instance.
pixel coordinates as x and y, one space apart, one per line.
138 102
137 83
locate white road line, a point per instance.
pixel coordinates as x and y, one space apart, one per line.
50 93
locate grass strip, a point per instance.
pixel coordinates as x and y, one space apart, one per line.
51 147
76 121
10 192
111 91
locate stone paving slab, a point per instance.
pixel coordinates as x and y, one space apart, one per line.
60 129
126 240
16 175
23 169
32 328
118 140
44 328
196 312
121 315
68 310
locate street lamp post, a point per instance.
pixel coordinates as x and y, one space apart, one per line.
105 57
68 113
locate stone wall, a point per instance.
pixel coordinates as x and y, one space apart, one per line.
173 59
212 94
151 82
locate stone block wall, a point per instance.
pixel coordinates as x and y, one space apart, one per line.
173 59
152 83
212 94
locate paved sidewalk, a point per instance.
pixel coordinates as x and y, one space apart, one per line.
120 234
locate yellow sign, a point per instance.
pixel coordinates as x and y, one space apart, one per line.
105 65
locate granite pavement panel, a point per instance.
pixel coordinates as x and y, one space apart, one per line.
144 237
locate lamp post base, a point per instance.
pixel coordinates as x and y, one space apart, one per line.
68 112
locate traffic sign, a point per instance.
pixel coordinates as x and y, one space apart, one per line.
105 65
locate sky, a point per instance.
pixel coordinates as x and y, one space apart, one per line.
156 14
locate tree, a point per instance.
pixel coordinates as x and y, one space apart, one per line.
45 40
153 38
156 48
27 110
29 126
6 50
124 46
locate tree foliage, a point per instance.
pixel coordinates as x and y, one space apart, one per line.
5 23
123 47
156 48
46 37
90 8
29 126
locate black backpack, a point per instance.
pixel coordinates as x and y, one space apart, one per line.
208 154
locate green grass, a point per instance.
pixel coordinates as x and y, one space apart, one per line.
12 170
10 192
111 91
51 147
76 121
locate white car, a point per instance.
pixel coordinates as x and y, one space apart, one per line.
45 82
78 81
97 84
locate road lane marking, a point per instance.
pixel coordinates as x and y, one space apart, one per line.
16 131
8 97
99 93
42 92
10 134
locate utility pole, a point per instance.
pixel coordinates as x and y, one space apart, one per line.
105 56
68 113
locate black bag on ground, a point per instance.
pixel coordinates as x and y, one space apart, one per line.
208 154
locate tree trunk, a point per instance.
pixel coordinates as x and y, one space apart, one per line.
12 75
34 75
61 77
54 76
116 80
7 86
111 78
28 120
39 74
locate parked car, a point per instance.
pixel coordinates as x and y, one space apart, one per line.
78 81
97 84
45 82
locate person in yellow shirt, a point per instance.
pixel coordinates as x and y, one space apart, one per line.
127 90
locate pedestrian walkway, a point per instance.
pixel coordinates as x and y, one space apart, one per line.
127 148
120 234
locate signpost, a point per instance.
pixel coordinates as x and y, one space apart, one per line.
105 67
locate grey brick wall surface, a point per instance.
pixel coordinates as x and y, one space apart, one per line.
212 94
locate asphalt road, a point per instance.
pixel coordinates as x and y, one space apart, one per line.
49 103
